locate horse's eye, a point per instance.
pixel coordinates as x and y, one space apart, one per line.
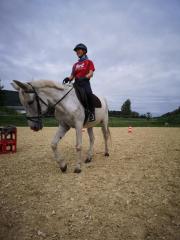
30 102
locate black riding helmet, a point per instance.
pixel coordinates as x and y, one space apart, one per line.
80 46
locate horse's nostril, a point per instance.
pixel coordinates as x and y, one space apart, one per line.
34 128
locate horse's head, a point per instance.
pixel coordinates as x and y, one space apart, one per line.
35 104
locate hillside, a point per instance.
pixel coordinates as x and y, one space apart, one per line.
11 98
173 113
171 117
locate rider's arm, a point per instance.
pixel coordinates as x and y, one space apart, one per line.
71 78
90 74
91 69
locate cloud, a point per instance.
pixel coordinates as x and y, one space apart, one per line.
134 45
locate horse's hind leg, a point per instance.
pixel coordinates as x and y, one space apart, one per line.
106 134
78 148
58 136
91 140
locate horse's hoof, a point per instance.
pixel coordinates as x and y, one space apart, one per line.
106 154
88 160
63 169
77 170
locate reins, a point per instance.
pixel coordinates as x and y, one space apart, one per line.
38 99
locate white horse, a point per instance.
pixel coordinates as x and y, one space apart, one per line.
39 96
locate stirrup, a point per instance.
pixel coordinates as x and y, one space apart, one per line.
91 117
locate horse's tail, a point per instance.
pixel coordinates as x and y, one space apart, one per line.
106 122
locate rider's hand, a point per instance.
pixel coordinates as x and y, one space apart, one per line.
66 80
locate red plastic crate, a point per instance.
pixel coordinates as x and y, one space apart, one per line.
8 139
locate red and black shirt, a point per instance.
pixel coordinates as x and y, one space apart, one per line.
82 68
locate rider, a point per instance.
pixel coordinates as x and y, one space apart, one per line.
82 71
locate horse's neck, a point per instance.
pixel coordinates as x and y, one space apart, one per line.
54 95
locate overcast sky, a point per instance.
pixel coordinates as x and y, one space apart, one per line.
135 46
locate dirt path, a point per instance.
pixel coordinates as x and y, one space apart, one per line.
133 194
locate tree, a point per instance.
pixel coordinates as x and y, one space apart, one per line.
1 86
1 94
134 114
148 115
126 108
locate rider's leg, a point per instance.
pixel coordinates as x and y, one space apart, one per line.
91 107
90 101
87 87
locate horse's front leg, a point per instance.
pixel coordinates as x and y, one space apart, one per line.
58 136
78 149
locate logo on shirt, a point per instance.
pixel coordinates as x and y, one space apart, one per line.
80 66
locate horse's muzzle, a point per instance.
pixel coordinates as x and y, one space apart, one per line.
35 125
36 128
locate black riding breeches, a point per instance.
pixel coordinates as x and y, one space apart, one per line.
87 87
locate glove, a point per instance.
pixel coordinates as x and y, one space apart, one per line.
66 80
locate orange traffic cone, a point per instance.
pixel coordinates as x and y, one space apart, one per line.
129 129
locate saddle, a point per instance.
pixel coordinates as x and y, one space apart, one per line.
81 95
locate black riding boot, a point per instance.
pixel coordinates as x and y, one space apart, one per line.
91 117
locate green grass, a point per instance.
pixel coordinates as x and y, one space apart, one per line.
17 120
20 120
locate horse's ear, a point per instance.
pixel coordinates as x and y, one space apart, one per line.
17 85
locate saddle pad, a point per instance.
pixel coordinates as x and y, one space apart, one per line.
81 95
96 102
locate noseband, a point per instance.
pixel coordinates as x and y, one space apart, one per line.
39 117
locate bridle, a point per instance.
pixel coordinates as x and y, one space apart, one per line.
40 115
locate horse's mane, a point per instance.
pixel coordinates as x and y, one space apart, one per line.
47 83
